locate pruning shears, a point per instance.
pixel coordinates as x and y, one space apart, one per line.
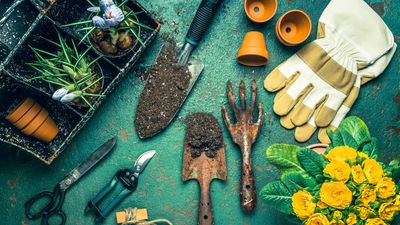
129 179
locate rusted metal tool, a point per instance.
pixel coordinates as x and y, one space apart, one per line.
244 133
204 169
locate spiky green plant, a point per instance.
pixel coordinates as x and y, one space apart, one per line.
129 19
69 70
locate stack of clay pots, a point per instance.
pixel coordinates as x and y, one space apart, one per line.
291 29
33 120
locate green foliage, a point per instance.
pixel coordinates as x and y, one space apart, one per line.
371 148
284 157
295 181
311 161
277 195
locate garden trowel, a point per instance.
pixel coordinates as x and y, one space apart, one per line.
198 27
204 169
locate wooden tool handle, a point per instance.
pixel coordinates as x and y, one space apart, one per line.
248 197
205 208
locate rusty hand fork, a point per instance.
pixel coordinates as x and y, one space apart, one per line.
244 133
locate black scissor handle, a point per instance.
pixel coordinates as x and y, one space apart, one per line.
28 204
56 212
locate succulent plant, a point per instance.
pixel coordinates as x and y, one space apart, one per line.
70 71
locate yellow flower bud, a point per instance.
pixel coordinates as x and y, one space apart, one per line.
358 174
351 219
373 171
387 210
317 219
338 170
386 188
368 194
302 204
375 221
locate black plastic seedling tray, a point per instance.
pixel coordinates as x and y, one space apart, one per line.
30 21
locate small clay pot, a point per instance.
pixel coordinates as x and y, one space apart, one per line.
260 11
16 113
28 116
318 148
293 27
47 131
35 123
254 50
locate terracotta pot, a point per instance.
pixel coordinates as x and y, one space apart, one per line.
28 116
47 131
254 50
20 110
35 123
260 11
293 27
318 148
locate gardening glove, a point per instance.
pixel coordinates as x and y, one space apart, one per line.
304 132
318 78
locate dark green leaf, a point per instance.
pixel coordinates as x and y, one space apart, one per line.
371 148
296 181
278 196
311 161
284 156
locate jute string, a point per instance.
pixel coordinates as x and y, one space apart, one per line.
131 219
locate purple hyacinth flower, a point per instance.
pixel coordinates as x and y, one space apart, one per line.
104 4
100 22
113 16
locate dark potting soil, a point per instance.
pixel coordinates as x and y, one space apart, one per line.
203 134
163 93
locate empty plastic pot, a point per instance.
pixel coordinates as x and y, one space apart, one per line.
293 27
260 11
254 50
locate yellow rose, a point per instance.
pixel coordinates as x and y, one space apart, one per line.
368 194
387 210
337 215
373 171
375 221
322 205
397 201
339 222
336 194
338 170
358 174
386 188
351 219
364 211
362 155
302 204
342 153
317 219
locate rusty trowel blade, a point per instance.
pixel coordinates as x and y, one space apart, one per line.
203 168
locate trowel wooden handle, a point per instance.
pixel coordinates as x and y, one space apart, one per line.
205 208
248 197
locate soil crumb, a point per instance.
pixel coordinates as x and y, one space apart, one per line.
163 93
203 134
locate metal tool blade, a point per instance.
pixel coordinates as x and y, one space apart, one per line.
143 160
88 163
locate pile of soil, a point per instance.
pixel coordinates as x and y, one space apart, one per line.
163 93
203 134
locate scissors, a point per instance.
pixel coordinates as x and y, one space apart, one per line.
57 196
128 178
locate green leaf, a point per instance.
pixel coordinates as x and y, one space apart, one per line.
341 138
356 128
278 196
371 148
284 156
295 181
311 161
